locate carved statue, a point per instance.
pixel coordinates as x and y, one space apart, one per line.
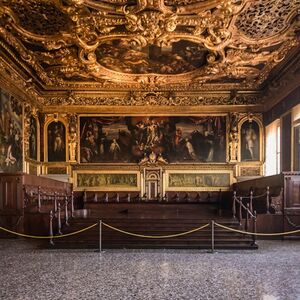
233 137
72 138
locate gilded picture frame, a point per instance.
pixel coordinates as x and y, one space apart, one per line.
79 141
260 154
48 122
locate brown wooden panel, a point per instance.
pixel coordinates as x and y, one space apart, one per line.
11 193
292 191
12 213
268 223
260 183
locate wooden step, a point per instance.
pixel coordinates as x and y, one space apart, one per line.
155 220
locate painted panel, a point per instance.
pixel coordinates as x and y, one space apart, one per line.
128 139
107 181
11 150
197 180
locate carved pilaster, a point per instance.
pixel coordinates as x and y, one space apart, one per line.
233 137
72 138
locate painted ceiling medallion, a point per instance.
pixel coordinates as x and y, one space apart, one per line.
156 42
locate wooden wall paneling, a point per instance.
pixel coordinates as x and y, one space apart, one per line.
286 142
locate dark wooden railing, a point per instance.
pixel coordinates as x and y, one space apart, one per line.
58 205
239 209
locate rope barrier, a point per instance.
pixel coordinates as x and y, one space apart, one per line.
48 237
148 236
253 197
258 234
155 236
291 223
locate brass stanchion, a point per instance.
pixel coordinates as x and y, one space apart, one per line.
100 236
51 228
212 236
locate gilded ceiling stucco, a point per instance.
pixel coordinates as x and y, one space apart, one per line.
225 45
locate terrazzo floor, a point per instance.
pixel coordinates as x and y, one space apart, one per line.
272 272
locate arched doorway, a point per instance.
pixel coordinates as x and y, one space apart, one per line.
153 183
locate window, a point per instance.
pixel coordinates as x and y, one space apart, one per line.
296 137
297 147
278 150
273 149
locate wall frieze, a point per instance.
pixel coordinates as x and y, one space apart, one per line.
154 99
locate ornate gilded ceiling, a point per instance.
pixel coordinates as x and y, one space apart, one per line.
131 45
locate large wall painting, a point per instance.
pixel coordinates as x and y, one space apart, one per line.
56 142
198 180
33 138
129 139
108 181
250 141
11 150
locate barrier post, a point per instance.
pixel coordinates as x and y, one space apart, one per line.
39 199
72 204
66 211
55 202
51 228
233 205
212 236
100 235
247 217
240 210
254 228
268 200
59 219
220 203
251 201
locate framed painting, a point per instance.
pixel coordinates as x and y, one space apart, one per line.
250 141
56 141
33 138
195 139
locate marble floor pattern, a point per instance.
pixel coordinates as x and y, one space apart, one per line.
272 272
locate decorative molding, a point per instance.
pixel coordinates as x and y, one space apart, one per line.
154 99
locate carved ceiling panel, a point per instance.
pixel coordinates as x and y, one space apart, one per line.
118 44
266 19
